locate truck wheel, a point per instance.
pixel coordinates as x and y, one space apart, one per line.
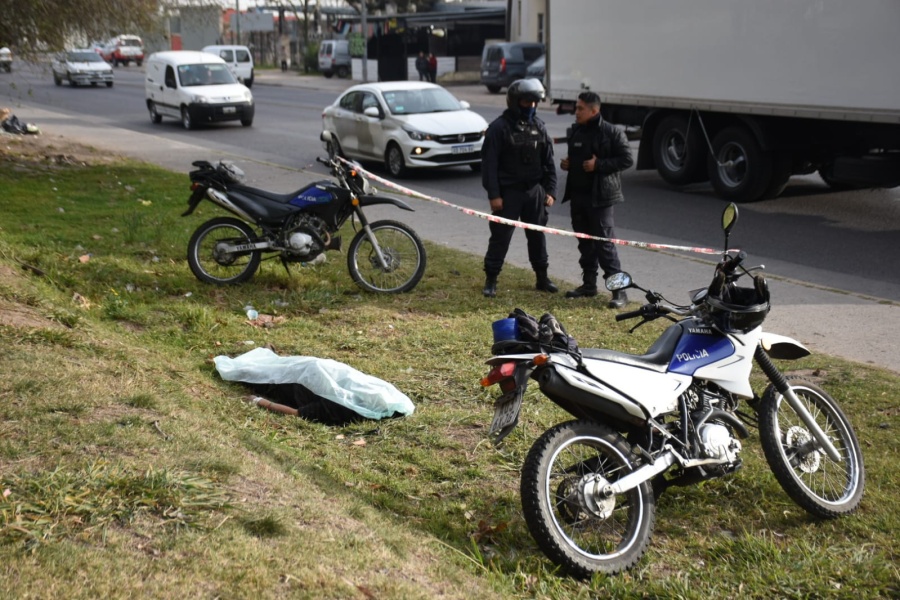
343 72
826 172
679 152
186 118
155 117
328 74
738 167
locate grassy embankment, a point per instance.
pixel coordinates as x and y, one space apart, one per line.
132 469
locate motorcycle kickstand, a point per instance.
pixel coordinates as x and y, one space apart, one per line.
284 263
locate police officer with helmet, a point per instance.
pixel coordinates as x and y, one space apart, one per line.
519 176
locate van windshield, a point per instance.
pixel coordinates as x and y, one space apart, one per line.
414 102
205 74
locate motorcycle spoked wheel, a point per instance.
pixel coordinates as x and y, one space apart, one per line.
814 481
403 252
210 264
578 530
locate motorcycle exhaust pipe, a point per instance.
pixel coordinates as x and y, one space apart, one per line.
225 202
581 402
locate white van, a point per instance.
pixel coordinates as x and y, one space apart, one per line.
238 58
196 87
334 58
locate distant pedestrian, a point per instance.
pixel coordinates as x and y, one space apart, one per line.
432 68
422 67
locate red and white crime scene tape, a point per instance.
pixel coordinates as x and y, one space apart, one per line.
489 217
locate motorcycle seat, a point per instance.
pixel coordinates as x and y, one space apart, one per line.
657 357
282 198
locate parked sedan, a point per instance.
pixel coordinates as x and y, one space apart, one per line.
405 124
81 67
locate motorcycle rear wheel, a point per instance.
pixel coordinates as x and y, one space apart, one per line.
210 264
821 486
580 531
403 251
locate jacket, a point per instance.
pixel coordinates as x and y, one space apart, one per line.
613 153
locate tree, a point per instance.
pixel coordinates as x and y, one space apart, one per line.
40 25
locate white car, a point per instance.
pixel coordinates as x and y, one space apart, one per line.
81 67
406 124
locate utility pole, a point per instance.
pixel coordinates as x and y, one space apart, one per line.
365 29
237 19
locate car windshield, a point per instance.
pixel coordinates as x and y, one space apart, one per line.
414 102
86 56
205 74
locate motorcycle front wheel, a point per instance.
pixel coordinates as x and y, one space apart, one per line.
403 253
211 263
821 486
577 527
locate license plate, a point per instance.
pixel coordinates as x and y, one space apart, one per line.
228 109
462 149
506 410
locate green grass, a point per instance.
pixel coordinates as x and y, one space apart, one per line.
134 470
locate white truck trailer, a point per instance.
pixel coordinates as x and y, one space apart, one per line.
743 93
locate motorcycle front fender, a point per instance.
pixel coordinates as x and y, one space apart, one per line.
782 347
373 200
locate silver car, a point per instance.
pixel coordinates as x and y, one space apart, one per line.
406 124
81 67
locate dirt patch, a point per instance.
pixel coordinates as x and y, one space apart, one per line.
49 150
15 314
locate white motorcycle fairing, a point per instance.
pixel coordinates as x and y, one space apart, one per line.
782 347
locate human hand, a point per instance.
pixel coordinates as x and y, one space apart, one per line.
564 164
496 204
589 164
549 200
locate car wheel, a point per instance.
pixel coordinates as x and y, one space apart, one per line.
249 82
246 122
494 89
328 74
393 161
93 84
73 83
155 117
475 167
186 118
57 79
109 84
333 148
139 63
343 72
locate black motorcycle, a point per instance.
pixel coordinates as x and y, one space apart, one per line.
384 256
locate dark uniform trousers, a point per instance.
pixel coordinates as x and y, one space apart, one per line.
597 222
525 203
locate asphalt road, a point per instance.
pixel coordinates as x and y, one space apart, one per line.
828 255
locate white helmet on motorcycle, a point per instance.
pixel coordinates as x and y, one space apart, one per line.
230 171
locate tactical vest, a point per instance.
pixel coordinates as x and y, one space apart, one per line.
522 160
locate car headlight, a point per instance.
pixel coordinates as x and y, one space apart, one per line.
199 100
419 136
248 96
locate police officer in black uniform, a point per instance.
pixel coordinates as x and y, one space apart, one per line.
519 176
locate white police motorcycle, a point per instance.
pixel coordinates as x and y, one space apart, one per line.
672 416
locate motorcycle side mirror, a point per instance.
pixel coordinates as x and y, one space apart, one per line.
618 281
729 217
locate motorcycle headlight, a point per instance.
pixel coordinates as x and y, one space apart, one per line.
419 136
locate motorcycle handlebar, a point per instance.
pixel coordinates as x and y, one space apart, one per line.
631 314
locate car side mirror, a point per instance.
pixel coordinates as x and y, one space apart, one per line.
465 105
372 111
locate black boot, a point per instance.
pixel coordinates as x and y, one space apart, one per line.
588 289
490 286
543 282
618 300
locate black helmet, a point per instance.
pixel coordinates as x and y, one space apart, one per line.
740 310
529 89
